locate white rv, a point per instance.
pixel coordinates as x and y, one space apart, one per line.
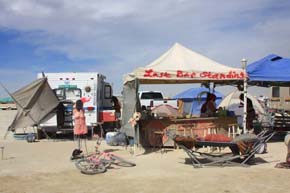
88 86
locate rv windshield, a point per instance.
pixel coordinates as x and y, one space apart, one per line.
68 93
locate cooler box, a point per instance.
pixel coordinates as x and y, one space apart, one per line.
107 116
109 137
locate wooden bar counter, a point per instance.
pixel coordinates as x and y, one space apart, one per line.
151 129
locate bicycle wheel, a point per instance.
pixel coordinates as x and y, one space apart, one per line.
89 167
121 161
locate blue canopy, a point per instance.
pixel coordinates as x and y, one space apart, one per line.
270 70
193 99
194 93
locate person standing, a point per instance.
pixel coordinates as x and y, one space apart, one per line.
287 143
251 113
80 126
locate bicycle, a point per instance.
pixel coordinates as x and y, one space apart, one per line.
99 162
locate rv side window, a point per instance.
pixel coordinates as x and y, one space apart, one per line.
108 92
275 91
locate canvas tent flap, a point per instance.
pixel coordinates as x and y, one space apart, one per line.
182 65
131 104
269 71
34 103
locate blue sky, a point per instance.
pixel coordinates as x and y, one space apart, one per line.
115 37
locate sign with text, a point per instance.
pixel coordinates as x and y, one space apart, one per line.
180 74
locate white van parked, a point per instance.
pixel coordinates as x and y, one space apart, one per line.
151 99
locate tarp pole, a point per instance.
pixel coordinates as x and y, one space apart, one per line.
137 128
244 66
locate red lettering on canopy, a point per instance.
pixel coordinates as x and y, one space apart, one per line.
215 76
155 74
151 73
203 74
181 74
229 75
165 74
184 74
222 76
148 73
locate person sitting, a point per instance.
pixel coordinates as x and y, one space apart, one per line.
208 109
287 142
285 164
117 107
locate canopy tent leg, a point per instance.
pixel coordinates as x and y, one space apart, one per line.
244 66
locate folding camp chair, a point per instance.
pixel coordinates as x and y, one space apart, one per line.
262 138
234 158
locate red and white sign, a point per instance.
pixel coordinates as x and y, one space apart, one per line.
180 74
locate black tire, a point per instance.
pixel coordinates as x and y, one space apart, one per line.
89 167
122 162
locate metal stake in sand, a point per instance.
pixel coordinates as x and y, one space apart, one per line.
2 152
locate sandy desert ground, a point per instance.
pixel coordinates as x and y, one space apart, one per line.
45 167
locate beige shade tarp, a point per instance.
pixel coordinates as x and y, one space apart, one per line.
34 103
182 65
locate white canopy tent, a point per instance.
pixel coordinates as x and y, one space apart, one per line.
182 65
178 65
